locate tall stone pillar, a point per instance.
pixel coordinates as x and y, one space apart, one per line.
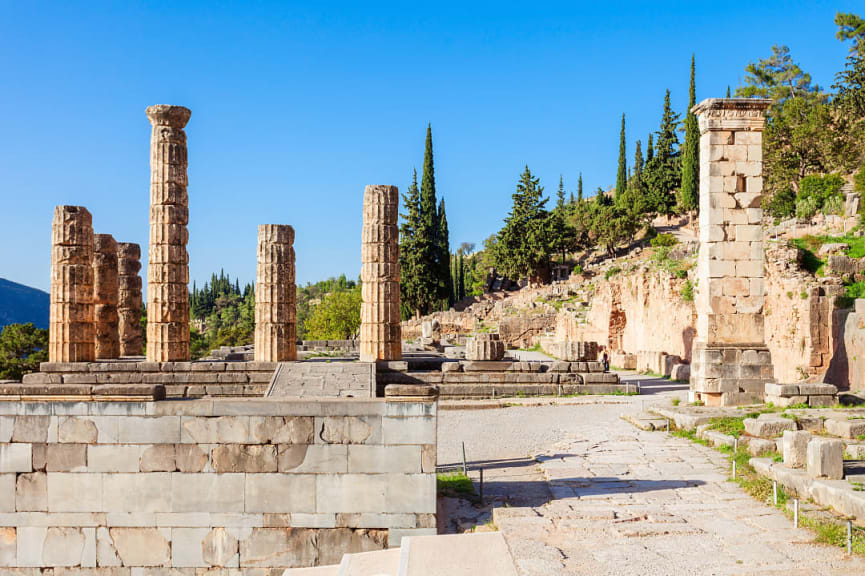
129 299
380 334
275 315
70 334
168 261
731 363
105 297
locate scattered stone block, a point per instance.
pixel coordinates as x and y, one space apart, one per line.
826 458
795 448
768 427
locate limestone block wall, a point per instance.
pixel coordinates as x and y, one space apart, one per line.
118 487
638 300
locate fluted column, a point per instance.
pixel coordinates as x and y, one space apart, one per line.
129 298
275 314
105 297
168 261
70 334
380 334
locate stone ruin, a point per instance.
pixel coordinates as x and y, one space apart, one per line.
380 332
105 297
168 261
485 347
731 363
129 299
275 313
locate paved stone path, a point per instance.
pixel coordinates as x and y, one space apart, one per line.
623 501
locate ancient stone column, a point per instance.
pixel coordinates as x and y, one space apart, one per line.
275 317
168 261
70 334
129 299
105 297
380 335
731 363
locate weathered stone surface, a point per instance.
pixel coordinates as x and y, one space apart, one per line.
768 427
826 458
795 444
729 295
141 546
129 299
332 544
71 336
168 293
244 458
220 548
105 295
344 430
158 458
66 458
279 547
281 429
485 347
380 332
31 492
275 315
190 458
77 430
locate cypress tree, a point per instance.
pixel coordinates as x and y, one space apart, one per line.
443 259
689 192
426 235
580 188
461 285
728 90
411 292
560 194
571 200
622 176
663 174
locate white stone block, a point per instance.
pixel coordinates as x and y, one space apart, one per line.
795 448
826 458
304 520
207 492
755 215
350 492
7 425
149 430
73 492
411 493
224 429
16 458
139 492
31 542
7 492
748 233
113 457
324 458
749 269
384 459
722 268
279 493
187 547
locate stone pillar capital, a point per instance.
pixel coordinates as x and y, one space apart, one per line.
731 114
167 115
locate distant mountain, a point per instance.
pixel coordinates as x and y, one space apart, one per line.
21 304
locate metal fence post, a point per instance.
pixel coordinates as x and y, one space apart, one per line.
465 468
775 492
734 469
849 537
482 486
796 513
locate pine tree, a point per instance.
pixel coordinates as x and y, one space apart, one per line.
622 176
443 257
411 291
650 149
560 194
580 188
689 191
523 245
663 174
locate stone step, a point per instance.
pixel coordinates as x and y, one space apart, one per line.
480 554
317 571
378 563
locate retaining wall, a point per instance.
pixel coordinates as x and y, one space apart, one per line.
249 483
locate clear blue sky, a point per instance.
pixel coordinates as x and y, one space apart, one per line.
296 106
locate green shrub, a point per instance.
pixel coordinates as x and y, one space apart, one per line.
663 240
688 292
578 269
833 206
859 182
820 188
612 272
806 208
782 204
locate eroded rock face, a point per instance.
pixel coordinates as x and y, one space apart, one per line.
275 293
71 336
380 332
105 297
168 269
129 299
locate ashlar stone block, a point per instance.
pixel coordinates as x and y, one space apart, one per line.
795 448
826 458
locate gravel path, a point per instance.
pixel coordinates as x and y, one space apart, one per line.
597 496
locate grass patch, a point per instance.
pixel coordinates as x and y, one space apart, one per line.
454 484
535 348
677 401
611 272
730 425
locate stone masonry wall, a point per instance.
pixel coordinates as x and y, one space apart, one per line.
253 484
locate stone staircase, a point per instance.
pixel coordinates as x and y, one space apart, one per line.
479 554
